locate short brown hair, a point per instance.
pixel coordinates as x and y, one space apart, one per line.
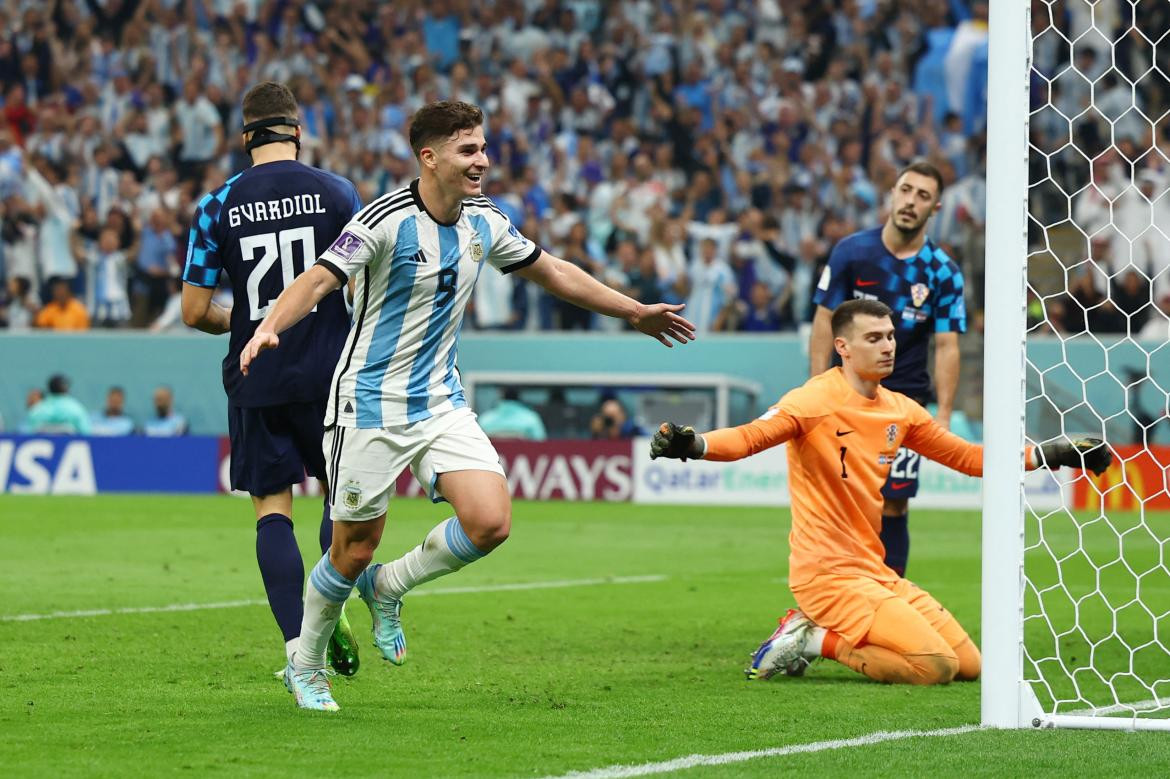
844 314
269 99
442 119
923 168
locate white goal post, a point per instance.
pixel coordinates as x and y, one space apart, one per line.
1075 602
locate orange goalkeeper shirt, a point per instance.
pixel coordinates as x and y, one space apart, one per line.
840 448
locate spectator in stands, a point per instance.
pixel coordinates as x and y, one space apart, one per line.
112 420
155 265
58 412
697 115
108 274
611 421
18 309
761 312
166 421
63 311
198 129
710 285
510 418
171 317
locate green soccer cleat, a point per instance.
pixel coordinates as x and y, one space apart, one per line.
343 648
385 612
311 688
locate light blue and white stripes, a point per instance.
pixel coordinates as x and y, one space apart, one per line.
458 542
327 581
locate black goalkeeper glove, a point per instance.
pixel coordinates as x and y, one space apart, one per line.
680 443
1084 452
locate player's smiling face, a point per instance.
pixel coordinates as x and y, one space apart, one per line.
915 199
461 162
868 346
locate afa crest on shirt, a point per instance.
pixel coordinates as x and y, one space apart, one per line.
477 250
891 433
919 293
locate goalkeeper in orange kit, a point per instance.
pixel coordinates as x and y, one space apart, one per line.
843 430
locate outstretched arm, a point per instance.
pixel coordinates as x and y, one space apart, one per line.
568 282
932 441
294 303
728 443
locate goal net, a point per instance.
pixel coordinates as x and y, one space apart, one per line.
1076 611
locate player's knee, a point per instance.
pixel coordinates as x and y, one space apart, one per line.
352 558
495 531
488 527
970 662
935 669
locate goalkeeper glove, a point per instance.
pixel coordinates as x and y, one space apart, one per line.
681 443
1085 452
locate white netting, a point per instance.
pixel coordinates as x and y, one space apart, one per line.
1097 590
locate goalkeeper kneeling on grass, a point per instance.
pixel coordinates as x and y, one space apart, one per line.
843 430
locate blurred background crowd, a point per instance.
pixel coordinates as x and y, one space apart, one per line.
701 151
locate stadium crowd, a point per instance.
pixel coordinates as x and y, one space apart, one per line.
707 151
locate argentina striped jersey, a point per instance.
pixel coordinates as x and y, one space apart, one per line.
414 276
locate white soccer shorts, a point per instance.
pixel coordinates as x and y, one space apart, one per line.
365 463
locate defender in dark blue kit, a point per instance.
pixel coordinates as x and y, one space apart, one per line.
264 227
898 265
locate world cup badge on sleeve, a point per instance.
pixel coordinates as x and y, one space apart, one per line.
919 293
477 250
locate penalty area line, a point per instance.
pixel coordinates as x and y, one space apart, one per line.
695 761
235 604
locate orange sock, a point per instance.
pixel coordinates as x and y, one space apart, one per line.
829 647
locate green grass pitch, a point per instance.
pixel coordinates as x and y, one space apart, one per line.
498 683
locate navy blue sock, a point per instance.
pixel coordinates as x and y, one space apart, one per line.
895 537
326 532
283 571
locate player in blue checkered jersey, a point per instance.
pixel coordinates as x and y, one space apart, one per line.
263 227
900 266
396 400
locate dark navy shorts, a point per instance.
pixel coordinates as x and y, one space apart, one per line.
274 446
903 479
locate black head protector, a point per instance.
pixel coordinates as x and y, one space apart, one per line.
261 135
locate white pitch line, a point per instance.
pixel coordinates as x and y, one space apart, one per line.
235 604
694 761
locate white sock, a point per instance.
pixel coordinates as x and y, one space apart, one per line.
445 549
290 648
814 643
325 596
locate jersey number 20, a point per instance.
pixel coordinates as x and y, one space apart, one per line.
274 246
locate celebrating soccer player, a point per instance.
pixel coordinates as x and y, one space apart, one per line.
264 227
396 400
844 431
898 265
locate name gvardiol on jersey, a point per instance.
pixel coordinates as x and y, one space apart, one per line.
269 210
